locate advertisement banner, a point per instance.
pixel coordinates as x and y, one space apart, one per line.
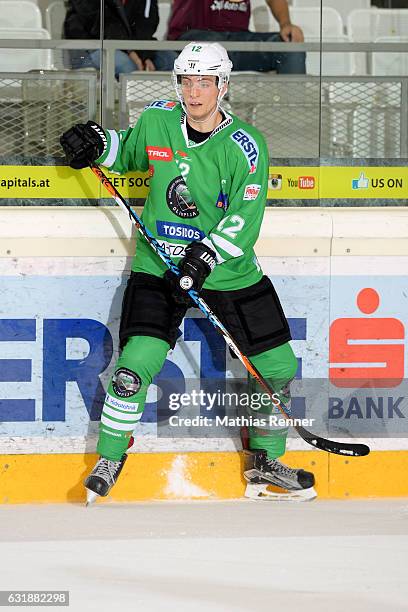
58 338
285 183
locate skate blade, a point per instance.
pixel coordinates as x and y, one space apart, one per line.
267 492
91 497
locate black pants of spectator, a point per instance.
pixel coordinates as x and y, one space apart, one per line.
283 63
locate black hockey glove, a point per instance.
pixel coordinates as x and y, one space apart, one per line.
195 266
83 143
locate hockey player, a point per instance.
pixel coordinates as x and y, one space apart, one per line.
208 179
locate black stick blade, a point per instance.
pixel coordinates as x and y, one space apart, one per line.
331 446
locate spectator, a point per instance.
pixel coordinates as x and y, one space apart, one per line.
228 20
123 19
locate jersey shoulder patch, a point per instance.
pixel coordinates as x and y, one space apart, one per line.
248 145
167 105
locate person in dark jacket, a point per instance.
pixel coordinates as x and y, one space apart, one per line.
122 19
228 20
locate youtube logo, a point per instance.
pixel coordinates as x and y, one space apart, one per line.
306 182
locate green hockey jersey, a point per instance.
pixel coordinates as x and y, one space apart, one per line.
214 191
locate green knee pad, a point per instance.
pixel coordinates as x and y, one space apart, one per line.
278 366
141 359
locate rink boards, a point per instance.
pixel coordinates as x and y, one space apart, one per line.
360 180
62 278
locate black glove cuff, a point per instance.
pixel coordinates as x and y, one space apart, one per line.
97 136
197 263
200 256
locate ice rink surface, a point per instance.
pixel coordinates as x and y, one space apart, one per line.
197 556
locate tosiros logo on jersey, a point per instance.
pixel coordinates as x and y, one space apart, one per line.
179 230
248 147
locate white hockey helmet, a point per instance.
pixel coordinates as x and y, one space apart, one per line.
202 59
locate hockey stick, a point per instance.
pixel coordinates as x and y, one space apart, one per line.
338 448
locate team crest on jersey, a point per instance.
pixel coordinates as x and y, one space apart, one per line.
248 146
167 105
179 199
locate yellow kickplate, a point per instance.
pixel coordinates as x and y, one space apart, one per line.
379 474
214 475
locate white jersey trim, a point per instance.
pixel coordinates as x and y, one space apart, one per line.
113 148
226 246
208 242
123 416
183 122
105 420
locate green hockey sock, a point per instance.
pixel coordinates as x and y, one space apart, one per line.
278 366
141 359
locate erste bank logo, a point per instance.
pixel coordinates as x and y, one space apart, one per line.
248 147
367 351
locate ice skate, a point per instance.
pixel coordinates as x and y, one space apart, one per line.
102 478
268 479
